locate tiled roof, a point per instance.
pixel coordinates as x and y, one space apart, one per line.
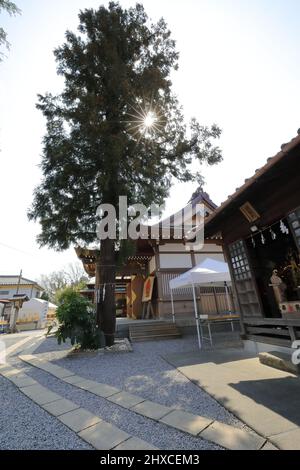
203 197
13 280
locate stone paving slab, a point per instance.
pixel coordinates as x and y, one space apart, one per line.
9 372
57 371
134 443
223 435
23 380
269 446
40 394
59 407
186 422
33 346
73 379
103 390
125 399
241 384
103 436
151 410
30 359
53 369
79 419
10 350
262 419
89 427
232 438
52 355
87 384
254 366
288 440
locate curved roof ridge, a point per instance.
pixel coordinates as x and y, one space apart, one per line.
271 161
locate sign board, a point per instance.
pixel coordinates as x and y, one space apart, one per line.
148 289
249 212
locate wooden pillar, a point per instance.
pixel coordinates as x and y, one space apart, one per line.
293 334
193 257
216 300
235 297
97 279
128 300
159 281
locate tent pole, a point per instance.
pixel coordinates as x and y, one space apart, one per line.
227 298
197 317
172 302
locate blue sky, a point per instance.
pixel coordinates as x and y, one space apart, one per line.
239 67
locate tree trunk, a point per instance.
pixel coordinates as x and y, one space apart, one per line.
106 275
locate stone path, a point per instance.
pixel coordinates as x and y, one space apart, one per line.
89 427
20 344
264 398
219 433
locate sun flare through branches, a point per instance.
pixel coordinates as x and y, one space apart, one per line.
144 121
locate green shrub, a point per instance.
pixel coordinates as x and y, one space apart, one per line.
77 320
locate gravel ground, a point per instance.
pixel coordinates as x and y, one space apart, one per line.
145 373
159 435
24 425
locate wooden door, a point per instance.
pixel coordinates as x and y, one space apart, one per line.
244 280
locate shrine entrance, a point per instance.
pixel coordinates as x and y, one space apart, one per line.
275 263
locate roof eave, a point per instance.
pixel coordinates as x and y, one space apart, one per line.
249 182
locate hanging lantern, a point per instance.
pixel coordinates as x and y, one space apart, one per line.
263 240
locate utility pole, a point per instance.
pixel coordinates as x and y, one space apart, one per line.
15 309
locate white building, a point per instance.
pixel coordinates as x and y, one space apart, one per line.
11 285
35 313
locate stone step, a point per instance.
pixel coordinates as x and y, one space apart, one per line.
157 331
152 330
155 337
279 360
153 326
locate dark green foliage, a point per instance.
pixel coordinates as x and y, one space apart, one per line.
116 68
11 9
119 64
77 321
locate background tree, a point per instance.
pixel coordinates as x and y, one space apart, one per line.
116 129
12 9
54 283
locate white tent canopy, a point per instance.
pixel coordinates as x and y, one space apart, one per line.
208 272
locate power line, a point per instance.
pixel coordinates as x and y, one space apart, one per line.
17 249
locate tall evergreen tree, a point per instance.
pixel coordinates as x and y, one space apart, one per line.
116 129
12 9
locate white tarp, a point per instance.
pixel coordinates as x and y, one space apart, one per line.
209 271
